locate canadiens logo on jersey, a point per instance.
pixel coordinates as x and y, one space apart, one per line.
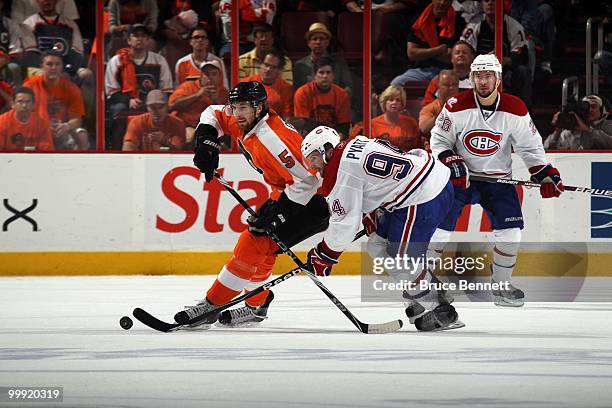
482 142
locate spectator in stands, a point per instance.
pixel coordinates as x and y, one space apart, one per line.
462 55
190 98
56 31
394 125
538 19
6 96
250 63
122 14
130 75
593 131
188 67
251 13
318 38
22 128
14 42
59 100
280 92
448 85
480 34
430 37
322 101
22 9
156 129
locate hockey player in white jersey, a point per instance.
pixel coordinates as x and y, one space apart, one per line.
413 192
475 134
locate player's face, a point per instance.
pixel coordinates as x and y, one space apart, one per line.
315 161
484 83
324 77
52 67
23 103
270 69
244 114
394 104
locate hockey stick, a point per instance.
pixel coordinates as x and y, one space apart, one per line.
363 327
588 190
153 322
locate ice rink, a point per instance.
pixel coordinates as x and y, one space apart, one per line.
65 332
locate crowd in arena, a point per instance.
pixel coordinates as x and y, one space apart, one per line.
165 61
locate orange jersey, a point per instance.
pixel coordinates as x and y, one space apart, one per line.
186 70
61 102
404 134
16 135
273 148
280 94
140 126
191 114
329 108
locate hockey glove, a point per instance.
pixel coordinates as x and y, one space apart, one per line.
206 157
549 179
321 259
456 164
272 214
370 221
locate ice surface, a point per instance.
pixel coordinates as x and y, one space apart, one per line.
65 332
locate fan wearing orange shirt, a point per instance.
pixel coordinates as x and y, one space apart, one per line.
156 129
21 128
59 100
322 101
448 85
394 125
294 210
191 97
280 92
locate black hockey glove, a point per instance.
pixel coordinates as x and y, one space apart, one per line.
206 150
272 214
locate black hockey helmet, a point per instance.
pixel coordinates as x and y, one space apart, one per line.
251 91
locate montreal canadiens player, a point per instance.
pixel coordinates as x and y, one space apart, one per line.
412 190
475 134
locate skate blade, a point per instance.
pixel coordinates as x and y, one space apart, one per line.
503 302
245 324
200 327
457 325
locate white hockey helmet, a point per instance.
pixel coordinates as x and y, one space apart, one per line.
486 62
318 139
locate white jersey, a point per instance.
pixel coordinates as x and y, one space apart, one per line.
365 174
486 143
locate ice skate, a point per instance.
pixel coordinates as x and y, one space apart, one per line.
246 316
443 317
192 312
511 297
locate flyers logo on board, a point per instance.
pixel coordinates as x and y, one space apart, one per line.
482 142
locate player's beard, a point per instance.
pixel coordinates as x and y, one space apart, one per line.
490 98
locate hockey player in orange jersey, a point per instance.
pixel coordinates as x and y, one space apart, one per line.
294 211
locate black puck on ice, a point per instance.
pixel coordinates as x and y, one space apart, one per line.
126 323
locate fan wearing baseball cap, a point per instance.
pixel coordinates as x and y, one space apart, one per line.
156 129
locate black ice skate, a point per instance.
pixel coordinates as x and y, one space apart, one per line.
246 315
192 312
443 317
511 297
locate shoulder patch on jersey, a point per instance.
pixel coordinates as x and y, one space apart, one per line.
481 142
461 101
330 173
512 104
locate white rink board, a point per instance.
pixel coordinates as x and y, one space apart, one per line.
118 202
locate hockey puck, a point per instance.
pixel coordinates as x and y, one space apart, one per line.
126 323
